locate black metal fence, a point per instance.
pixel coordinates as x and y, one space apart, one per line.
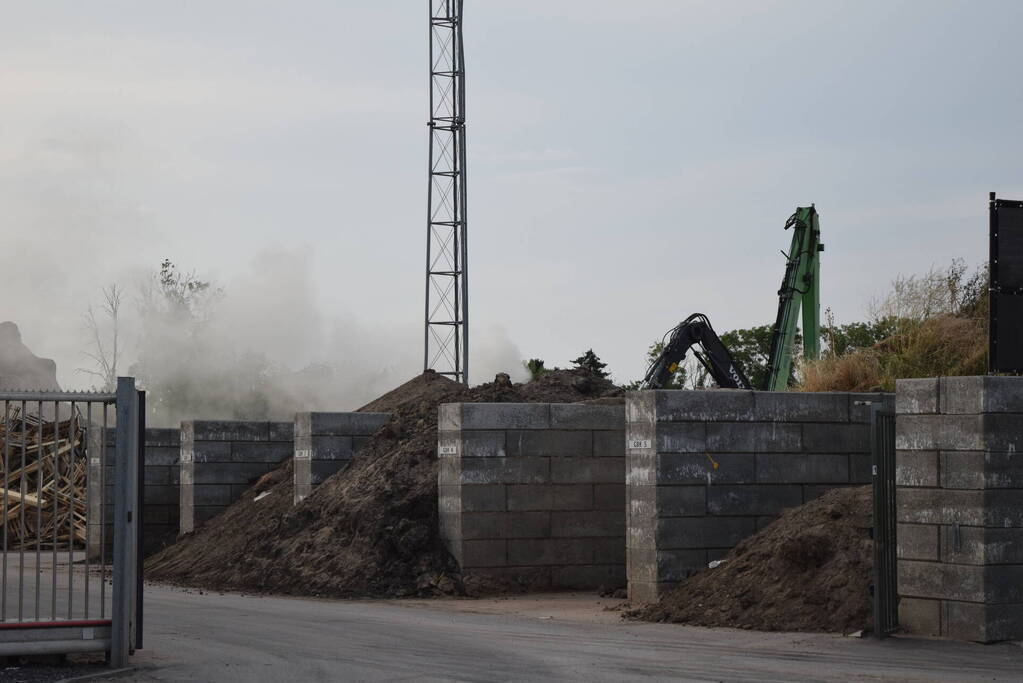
885 588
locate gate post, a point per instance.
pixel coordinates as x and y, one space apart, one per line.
126 451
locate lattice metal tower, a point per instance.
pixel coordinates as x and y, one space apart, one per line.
447 291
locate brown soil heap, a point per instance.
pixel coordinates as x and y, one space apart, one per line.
370 530
810 570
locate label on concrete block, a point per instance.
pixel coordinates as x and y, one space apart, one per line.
94 461
639 443
448 450
186 457
88 634
303 455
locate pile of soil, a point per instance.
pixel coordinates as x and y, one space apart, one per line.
370 530
810 570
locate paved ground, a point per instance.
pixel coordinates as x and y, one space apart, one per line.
211 637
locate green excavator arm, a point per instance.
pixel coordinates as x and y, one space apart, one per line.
800 288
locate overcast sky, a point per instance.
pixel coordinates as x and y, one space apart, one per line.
629 163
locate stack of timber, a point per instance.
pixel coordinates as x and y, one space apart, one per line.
42 481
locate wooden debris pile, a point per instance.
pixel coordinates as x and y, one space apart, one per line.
42 481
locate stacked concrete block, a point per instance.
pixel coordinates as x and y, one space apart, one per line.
221 459
533 493
706 469
159 495
960 506
325 443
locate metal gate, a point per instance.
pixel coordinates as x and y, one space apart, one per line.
65 586
885 588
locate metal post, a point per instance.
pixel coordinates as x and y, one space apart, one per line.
125 520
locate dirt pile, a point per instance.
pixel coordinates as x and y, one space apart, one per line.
370 530
810 570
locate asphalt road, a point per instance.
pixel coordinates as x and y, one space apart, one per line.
213 637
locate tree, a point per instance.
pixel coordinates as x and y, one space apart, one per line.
591 362
536 368
105 338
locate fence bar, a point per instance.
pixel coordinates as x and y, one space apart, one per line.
7 507
125 519
88 501
103 517
56 505
21 521
39 502
72 441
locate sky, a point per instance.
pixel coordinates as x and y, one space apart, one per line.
629 164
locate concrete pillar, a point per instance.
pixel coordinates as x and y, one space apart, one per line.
960 506
325 443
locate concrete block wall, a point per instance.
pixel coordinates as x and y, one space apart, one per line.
221 459
533 493
959 474
326 443
706 469
160 495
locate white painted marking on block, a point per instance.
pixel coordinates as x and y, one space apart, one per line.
88 634
303 455
186 457
94 461
448 450
639 443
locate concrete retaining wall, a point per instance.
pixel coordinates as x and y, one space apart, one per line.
160 501
533 494
705 469
327 442
221 459
960 506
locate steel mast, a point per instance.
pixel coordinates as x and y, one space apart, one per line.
446 334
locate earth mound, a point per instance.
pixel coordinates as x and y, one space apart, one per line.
370 530
809 570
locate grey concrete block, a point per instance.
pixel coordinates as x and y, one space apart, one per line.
550 551
587 523
158 456
482 498
166 494
641 504
532 497
699 468
802 468
583 416
228 473
644 592
321 470
799 406
812 491
916 396
482 444
360 442
157 475
268 451
449 471
609 497
860 404
449 499
640 469
587 470
505 416
281 431
983 623
205 513
206 451
504 470
836 438
960 582
549 442
920 616
640 407
609 550
860 468
976 545
757 499
704 406
1003 394
1002 432
750 437
682 437
981 470
212 494
699 532
495 525
157 437
449 417
224 430
572 497
681 501
484 553
973 395
1000 508
916 468
918 542
678 565
609 444
587 577
939 432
